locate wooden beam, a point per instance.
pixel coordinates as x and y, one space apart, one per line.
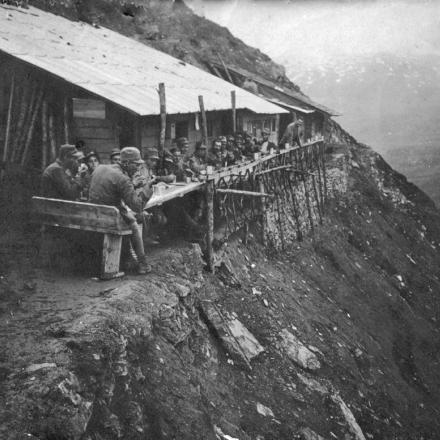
234 111
44 134
8 127
163 119
204 121
209 198
277 129
270 170
263 214
243 193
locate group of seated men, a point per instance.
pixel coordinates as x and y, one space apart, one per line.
127 181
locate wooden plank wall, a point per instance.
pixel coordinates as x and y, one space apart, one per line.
99 135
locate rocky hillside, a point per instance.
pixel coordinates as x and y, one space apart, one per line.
336 337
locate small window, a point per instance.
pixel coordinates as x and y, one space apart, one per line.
88 108
181 129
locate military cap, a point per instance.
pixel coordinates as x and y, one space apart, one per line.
131 154
152 153
68 150
182 140
115 152
201 147
266 131
222 138
91 154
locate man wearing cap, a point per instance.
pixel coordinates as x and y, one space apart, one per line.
115 156
91 160
58 180
293 133
112 185
266 144
214 157
183 146
197 162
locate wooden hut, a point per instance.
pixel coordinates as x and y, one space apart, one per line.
65 81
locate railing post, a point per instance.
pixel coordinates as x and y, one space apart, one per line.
209 198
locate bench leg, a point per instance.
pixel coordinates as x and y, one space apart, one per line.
111 255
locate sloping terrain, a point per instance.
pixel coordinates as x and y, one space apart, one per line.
348 320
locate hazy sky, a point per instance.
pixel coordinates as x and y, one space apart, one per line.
319 31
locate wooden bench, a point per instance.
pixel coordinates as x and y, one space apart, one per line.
87 217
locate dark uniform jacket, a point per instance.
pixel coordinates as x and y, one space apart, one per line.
57 184
293 134
111 186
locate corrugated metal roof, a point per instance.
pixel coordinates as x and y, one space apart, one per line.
277 90
298 108
115 67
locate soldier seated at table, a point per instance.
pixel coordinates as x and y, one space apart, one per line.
112 185
91 162
214 157
115 156
59 179
198 161
265 144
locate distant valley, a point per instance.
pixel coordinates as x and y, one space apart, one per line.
391 103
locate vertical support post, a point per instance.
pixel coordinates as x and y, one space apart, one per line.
111 254
66 114
52 139
204 121
234 111
209 197
163 119
225 69
8 127
277 129
263 212
138 132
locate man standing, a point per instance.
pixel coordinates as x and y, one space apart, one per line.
58 180
112 185
293 133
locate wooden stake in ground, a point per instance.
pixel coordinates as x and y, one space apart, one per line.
209 198
225 68
234 111
8 127
263 213
163 122
204 121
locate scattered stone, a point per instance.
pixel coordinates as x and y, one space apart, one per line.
264 410
237 339
265 302
181 290
308 434
221 435
298 352
349 417
30 285
313 384
36 367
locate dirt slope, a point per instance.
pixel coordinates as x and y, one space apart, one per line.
144 357
348 318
